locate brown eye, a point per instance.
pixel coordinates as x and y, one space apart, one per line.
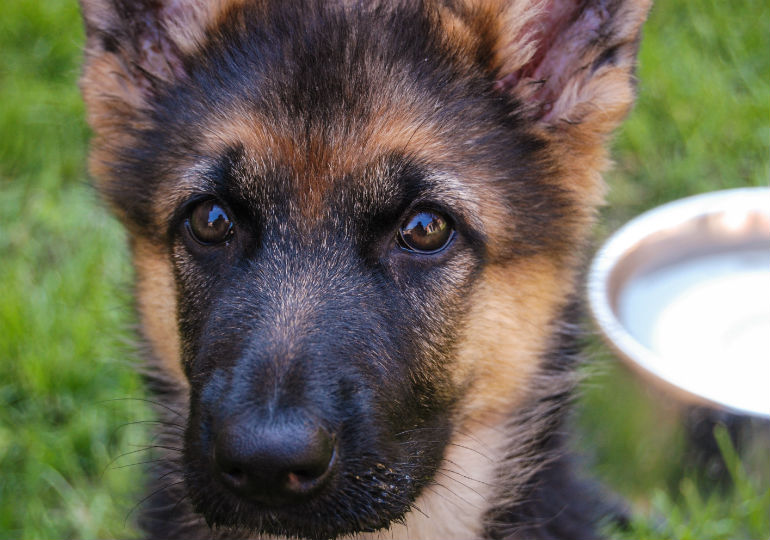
209 223
425 231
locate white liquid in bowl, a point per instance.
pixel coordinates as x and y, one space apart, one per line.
708 321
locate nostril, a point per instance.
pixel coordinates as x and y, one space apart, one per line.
235 475
298 482
232 474
302 480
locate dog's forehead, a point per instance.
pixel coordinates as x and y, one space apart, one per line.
326 117
307 162
315 168
326 105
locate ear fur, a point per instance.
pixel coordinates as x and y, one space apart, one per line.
567 61
149 36
133 48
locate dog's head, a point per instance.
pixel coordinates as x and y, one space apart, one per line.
353 225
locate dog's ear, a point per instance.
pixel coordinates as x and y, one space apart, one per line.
567 61
135 47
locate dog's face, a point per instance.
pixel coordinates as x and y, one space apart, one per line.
353 227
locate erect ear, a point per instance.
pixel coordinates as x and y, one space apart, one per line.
567 61
133 48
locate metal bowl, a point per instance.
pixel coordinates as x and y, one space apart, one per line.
682 293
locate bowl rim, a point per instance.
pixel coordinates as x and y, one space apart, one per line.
624 241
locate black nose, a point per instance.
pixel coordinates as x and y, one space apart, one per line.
279 462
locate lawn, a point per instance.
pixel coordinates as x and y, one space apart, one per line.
702 123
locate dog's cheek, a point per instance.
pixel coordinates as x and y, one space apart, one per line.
156 301
510 314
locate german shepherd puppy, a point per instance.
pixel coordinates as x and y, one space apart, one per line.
357 228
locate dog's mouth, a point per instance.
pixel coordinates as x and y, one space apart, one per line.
368 499
320 485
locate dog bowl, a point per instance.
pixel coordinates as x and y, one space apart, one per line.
682 293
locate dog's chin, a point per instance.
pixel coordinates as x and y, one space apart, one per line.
354 502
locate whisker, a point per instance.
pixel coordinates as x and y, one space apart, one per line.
178 502
160 433
463 499
469 477
165 474
161 422
444 497
442 471
139 463
473 450
121 456
494 428
456 465
412 505
457 431
125 521
418 429
156 403
142 449
162 447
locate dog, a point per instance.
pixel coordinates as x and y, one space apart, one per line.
357 229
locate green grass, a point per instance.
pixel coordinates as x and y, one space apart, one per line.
701 124
64 306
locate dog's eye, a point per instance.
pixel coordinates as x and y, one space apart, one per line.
209 224
425 231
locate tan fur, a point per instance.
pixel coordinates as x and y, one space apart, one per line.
505 336
112 101
156 300
510 24
336 154
320 161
